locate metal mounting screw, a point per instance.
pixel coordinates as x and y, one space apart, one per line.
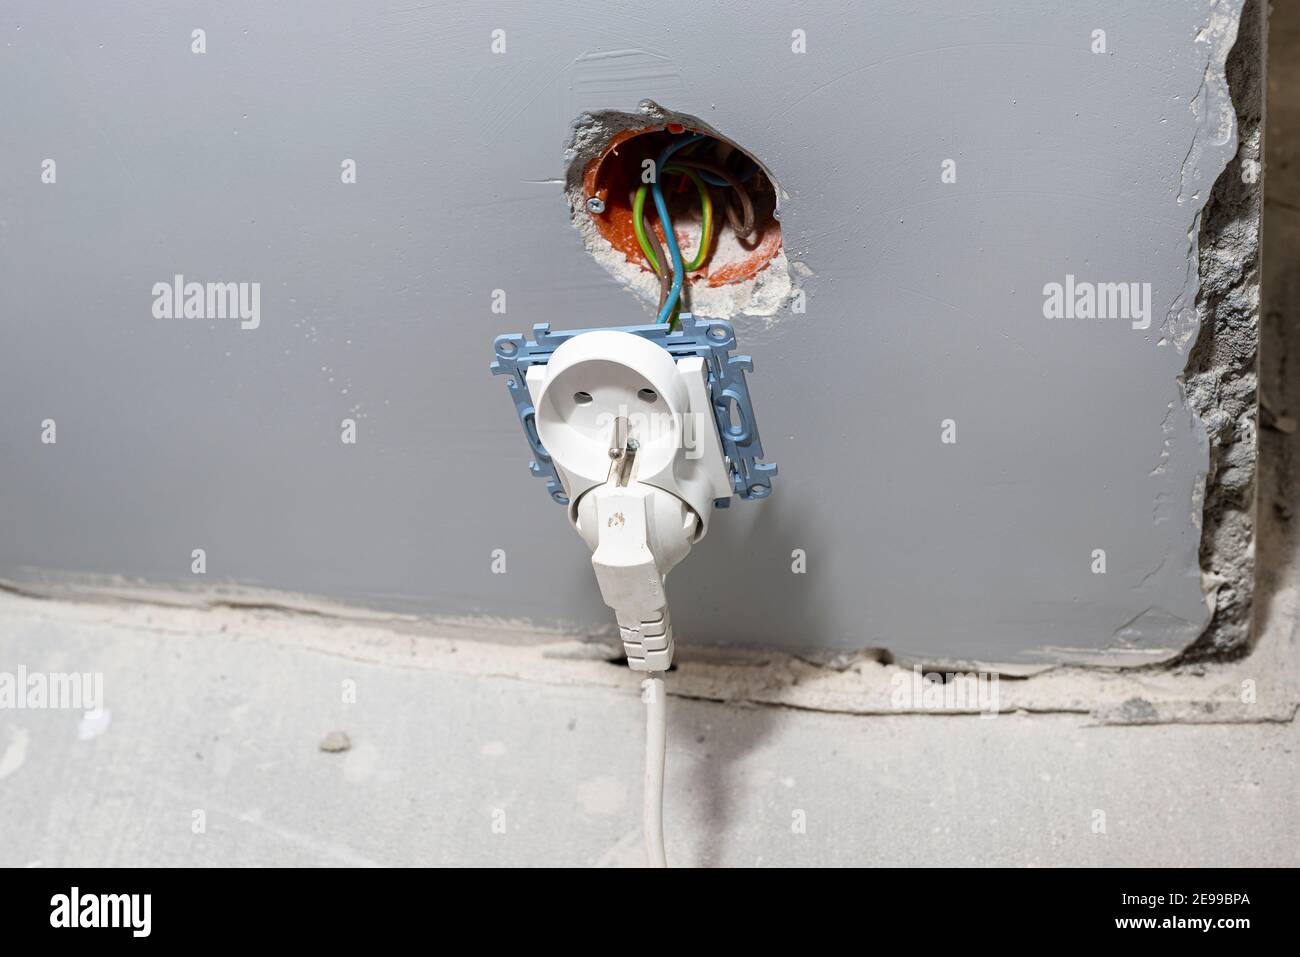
596 205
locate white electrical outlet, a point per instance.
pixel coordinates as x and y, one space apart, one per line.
635 443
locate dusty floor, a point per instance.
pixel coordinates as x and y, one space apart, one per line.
466 753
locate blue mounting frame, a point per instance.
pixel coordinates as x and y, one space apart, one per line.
711 339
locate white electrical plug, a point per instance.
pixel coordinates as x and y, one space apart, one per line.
628 437
634 441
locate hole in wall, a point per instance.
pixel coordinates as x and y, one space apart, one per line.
745 269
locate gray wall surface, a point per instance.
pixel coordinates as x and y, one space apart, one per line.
925 303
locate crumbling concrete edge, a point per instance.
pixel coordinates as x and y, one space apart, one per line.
1260 689
1220 381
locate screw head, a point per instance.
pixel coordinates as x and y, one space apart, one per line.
596 205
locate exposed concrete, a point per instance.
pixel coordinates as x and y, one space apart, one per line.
1221 380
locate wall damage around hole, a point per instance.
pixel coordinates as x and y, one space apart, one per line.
762 294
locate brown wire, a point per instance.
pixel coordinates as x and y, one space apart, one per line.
743 225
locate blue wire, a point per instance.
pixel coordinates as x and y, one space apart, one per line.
713 180
670 237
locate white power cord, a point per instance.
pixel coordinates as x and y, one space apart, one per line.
656 747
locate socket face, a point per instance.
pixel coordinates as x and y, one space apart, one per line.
602 389
611 406
712 341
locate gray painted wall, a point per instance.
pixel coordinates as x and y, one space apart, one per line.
925 303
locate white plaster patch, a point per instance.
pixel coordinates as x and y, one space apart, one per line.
15 755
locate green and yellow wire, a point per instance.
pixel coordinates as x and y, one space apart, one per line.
706 234
706 227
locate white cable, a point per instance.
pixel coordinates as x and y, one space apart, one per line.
656 746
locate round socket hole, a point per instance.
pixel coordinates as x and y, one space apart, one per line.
744 262
647 395
582 398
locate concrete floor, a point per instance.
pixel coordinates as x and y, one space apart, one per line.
230 722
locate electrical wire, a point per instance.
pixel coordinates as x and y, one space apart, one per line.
661 207
714 179
642 229
672 271
656 747
650 244
706 215
742 224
